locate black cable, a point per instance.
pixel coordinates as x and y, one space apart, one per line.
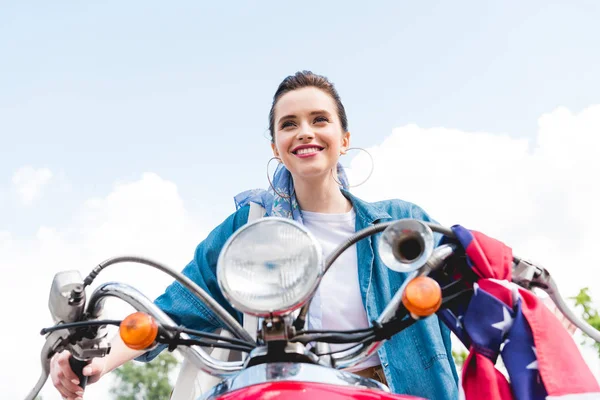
392 327
376 333
235 343
195 342
208 335
349 242
80 324
332 337
308 332
230 322
364 341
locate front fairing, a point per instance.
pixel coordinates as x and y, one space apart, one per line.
298 381
290 390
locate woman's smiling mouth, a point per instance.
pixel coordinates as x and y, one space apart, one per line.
307 150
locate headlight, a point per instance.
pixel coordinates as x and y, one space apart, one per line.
270 266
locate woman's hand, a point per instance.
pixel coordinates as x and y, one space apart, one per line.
65 380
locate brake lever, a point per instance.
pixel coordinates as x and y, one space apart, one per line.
55 342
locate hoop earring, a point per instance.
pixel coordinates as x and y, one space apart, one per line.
283 196
368 176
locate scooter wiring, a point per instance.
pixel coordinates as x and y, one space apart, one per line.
207 335
374 334
301 318
80 324
334 337
307 332
232 325
195 342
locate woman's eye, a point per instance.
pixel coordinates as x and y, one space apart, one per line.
321 119
286 124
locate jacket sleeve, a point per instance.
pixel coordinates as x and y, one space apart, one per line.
180 304
418 213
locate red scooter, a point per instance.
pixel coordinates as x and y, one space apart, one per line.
270 270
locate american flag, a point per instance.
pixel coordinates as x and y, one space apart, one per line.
498 318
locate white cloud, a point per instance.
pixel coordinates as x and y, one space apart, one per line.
145 217
29 183
539 196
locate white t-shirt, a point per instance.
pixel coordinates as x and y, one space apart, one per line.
338 305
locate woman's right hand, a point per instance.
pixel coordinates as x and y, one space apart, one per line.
65 380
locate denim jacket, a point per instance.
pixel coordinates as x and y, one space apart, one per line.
417 361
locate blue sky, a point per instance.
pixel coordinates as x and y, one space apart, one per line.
94 96
104 92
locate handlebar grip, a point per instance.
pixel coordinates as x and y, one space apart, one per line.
77 367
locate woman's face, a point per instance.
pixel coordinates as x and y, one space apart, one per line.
308 134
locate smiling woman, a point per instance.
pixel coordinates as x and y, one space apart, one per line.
309 138
309 134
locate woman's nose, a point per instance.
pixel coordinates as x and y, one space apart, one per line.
305 132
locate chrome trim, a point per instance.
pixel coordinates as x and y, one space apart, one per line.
440 254
63 307
529 275
390 245
232 325
554 294
298 372
196 355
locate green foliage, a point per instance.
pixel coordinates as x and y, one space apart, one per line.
583 301
459 358
148 381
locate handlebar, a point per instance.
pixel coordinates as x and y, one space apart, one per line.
530 275
232 325
77 367
135 298
198 356
525 274
363 352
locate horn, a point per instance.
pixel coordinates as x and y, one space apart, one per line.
406 245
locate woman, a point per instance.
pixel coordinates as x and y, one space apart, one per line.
309 133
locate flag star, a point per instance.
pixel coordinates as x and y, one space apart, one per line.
506 322
459 321
534 364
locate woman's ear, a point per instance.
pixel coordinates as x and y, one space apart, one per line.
345 142
274 148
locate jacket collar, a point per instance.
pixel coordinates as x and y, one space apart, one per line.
368 213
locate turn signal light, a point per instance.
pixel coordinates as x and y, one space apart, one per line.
138 331
422 296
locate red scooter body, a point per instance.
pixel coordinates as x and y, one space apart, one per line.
290 390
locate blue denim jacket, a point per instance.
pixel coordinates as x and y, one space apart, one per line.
417 361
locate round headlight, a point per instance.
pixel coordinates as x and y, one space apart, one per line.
269 267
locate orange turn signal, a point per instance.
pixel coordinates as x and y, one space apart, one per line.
422 296
138 331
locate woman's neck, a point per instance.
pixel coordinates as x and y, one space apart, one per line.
323 196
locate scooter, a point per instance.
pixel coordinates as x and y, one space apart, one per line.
270 270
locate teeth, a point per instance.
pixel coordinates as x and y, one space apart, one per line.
308 150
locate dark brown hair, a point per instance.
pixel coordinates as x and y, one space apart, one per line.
302 79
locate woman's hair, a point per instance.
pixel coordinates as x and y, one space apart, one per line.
302 79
